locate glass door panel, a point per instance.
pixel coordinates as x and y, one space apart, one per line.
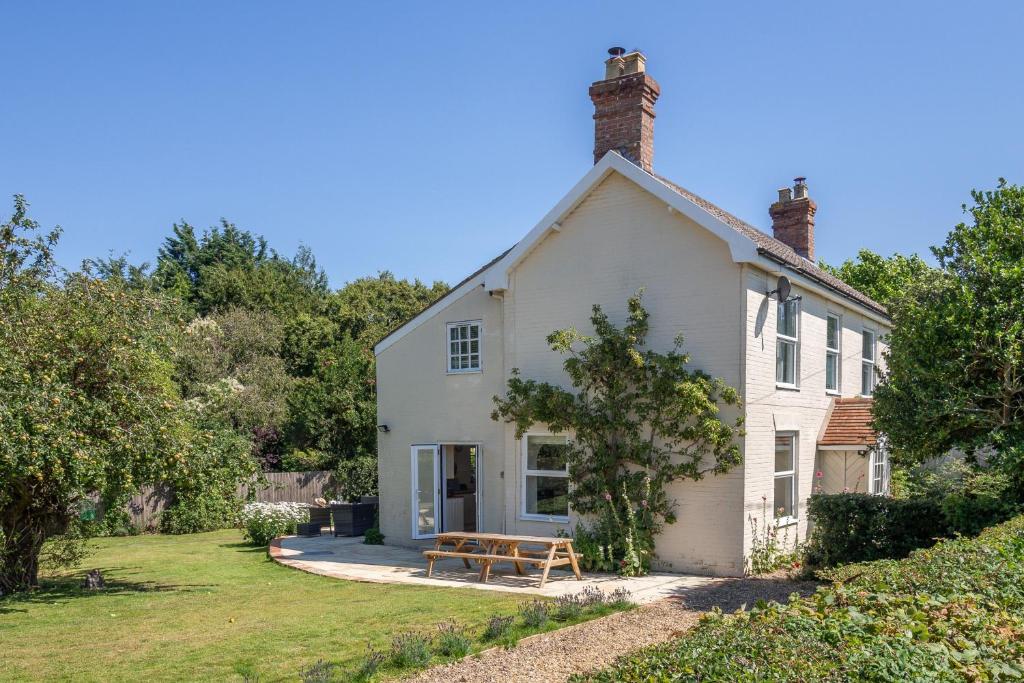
425 490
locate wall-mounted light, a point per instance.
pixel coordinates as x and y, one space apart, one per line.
383 428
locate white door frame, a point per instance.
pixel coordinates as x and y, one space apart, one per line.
414 488
478 473
441 490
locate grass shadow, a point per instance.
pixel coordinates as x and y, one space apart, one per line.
60 589
242 546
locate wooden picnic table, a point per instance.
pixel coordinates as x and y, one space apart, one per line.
487 549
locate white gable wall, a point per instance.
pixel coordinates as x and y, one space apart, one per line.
421 403
618 240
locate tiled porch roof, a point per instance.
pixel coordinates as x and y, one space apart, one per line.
849 424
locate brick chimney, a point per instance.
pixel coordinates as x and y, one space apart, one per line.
793 218
624 109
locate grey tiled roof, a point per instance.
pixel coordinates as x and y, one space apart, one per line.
776 250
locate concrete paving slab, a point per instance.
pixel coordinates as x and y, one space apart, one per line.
350 559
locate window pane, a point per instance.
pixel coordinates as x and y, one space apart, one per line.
545 453
474 331
454 333
867 378
474 362
474 346
868 345
787 318
784 496
832 371
785 362
547 496
783 454
832 333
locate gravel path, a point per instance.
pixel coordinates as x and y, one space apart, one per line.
596 644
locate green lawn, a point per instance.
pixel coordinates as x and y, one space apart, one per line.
207 607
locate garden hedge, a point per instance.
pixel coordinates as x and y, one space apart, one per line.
952 612
859 527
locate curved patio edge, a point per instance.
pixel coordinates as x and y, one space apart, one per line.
349 559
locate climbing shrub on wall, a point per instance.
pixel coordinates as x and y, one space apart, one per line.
638 420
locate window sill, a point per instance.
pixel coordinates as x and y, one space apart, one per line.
786 387
464 372
543 518
833 392
786 521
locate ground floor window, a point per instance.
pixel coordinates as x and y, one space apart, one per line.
785 478
545 477
878 473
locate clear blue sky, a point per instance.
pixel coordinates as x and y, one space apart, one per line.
424 138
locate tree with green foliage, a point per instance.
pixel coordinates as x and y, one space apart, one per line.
88 405
883 279
229 267
638 421
955 376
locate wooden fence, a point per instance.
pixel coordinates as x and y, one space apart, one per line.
282 487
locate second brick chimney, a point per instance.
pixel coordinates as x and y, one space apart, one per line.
624 109
793 218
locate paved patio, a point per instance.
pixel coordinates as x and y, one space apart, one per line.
350 559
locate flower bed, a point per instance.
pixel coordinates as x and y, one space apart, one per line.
952 612
263 522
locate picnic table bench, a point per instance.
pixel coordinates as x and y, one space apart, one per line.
489 549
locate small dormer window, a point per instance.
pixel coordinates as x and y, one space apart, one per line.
464 343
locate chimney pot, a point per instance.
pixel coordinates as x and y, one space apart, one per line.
785 195
800 189
624 109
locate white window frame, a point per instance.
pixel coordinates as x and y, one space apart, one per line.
524 460
878 457
795 440
479 324
834 352
868 362
786 339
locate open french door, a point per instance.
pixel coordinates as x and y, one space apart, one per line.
426 490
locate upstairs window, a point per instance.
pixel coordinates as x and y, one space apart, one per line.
464 341
867 363
787 343
833 337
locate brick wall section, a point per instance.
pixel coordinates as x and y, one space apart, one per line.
793 224
624 117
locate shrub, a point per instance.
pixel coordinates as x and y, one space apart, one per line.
263 522
535 614
373 536
620 597
497 626
769 549
857 527
568 607
321 672
948 613
409 650
369 666
355 478
305 461
451 640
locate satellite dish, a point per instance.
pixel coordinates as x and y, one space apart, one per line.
783 288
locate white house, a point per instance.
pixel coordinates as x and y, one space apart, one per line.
804 367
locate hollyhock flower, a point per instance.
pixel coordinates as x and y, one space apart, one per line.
608 496
820 474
